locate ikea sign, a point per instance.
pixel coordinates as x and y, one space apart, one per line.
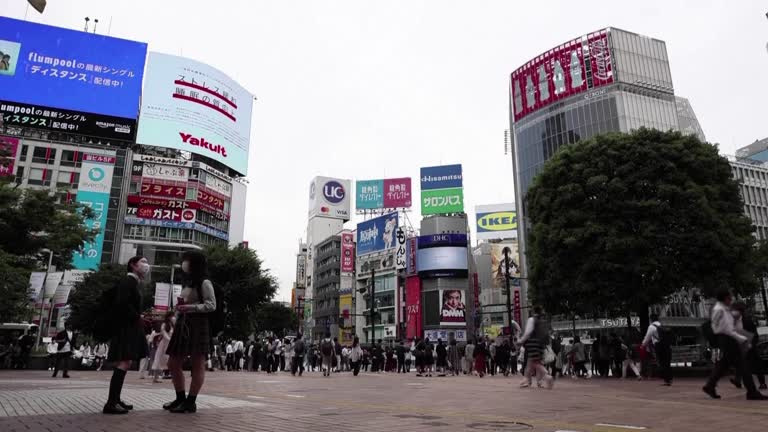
496 222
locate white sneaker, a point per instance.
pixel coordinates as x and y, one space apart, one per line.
525 384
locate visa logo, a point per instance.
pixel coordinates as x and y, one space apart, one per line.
499 221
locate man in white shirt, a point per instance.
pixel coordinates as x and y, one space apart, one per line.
230 356
239 350
65 340
661 350
733 345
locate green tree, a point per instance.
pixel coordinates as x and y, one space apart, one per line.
14 284
245 285
621 221
275 318
86 295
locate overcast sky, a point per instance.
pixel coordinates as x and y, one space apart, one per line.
368 89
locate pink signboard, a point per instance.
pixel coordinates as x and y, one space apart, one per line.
397 193
413 307
560 73
347 253
7 145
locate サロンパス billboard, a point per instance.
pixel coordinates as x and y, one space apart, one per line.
453 308
329 197
70 81
93 191
442 201
377 234
386 193
496 221
188 105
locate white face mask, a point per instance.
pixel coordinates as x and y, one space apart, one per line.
143 269
185 266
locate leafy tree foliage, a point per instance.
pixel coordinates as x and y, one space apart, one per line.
14 283
275 318
621 221
245 284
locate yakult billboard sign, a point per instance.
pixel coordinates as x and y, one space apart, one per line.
329 197
190 106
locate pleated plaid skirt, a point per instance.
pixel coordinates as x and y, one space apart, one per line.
191 336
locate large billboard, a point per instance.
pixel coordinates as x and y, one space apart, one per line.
498 269
383 194
69 81
576 66
413 307
442 190
188 105
329 197
453 308
443 255
377 234
347 252
93 191
496 221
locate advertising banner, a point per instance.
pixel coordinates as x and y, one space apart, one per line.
459 335
413 307
61 295
496 221
400 254
162 296
441 177
188 105
440 240
131 220
347 252
60 79
8 147
210 200
377 234
397 193
164 172
36 280
329 197
148 187
442 201
498 270
73 277
370 194
93 191
517 310
52 282
443 262
383 194
452 309
600 59
136 201
345 310
148 212
411 251
218 185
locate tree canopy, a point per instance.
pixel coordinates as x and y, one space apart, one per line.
621 221
275 318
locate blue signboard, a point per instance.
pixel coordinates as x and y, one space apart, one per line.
51 67
370 194
377 234
441 177
90 257
441 240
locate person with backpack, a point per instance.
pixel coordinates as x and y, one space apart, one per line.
327 351
121 322
534 340
746 323
733 346
356 356
192 336
65 341
299 349
660 339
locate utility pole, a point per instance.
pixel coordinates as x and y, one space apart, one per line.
373 305
507 276
42 300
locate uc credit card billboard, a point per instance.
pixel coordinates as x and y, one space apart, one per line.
71 81
190 106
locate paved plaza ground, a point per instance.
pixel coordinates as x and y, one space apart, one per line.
241 401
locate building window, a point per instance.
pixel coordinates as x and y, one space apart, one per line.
71 158
19 174
44 155
24 151
36 176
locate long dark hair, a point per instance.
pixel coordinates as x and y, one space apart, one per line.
356 342
198 268
132 262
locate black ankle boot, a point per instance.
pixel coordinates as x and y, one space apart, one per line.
114 408
180 398
188 406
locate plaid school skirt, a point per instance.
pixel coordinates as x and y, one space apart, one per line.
190 336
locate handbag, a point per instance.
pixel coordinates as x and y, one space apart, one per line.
549 355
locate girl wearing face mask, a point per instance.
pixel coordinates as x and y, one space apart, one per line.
128 342
191 337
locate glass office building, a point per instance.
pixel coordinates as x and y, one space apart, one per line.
607 81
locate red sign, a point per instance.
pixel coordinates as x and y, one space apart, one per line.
397 193
158 213
149 188
89 157
160 202
561 72
413 307
8 145
347 253
210 199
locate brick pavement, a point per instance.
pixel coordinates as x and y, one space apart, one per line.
234 401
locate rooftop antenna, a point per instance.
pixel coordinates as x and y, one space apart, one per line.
95 23
86 24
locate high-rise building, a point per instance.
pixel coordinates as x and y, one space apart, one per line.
752 175
757 151
326 285
687 120
607 81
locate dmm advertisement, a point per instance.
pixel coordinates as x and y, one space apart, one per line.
92 82
453 309
496 221
347 252
377 234
442 201
188 105
93 191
